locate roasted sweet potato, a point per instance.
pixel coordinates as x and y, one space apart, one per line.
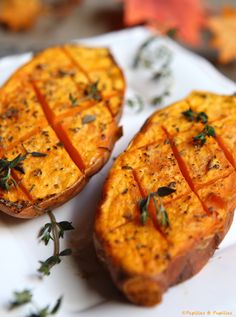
169 198
58 124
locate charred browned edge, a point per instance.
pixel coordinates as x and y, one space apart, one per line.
183 169
53 121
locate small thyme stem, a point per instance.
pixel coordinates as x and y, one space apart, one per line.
55 233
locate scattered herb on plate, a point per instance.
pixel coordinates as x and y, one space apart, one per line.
25 297
53 231
156 59
20 298
135 102
156 101
46 311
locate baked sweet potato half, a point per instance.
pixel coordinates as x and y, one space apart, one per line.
58 124
169 198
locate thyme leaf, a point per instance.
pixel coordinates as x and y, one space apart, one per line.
38 154
91 92
46 311
53 231
165 191
139 53
135 103
45 266
156 197
156 101
191 115
201 138
21 298
88 119
6 167
73 100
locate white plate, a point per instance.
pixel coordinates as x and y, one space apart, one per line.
213 290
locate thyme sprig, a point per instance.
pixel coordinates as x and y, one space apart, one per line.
208 130
135 103
53 231
73 100
91 92
201 138
191 115
156 197
46 311
88 118
7 166
144 45
25 297
20 298
156 59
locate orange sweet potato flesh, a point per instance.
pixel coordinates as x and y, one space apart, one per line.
145 260
67 109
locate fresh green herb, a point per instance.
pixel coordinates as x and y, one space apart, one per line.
156 59
47 265
26 296
53 231
165 191
38 154
73 100
47 311
161 213
191 115
141 49
202 117
91 92
200 138
208 131
156 101
6 167
172 32
21 298
88 119
136 103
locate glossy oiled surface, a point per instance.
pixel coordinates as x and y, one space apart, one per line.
144 260
65 103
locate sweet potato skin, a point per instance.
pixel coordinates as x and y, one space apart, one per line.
143 276
148 291
53 87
